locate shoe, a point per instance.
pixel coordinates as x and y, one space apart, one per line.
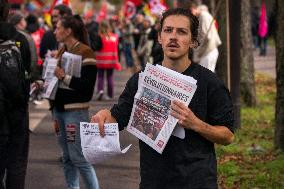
100 95
107 97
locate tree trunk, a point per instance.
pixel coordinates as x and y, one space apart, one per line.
222 63
279 113
248 93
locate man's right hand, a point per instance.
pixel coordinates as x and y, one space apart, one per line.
102 117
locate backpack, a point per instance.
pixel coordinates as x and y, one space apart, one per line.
12 73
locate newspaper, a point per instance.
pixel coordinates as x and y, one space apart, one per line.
96 148
150 119
50 80
71 64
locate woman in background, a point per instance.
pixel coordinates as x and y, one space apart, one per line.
71 103
107 59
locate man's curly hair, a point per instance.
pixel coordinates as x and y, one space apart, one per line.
193 20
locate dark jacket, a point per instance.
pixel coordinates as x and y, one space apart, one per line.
7 100
81 89
94 38
189 162
48 42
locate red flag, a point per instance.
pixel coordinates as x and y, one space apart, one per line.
135 2
129 9
103 12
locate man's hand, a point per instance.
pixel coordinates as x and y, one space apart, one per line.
185 116
102 117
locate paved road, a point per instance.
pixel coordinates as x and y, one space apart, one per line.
121 172
266 64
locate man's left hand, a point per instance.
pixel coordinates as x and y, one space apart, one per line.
185 116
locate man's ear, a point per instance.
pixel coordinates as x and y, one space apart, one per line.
159 38
194 44
68 31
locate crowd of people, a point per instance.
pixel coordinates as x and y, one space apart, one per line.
169 41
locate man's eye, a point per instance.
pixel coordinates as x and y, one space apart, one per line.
182 32
167 30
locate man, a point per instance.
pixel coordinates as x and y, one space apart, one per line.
48 41
14 87
93 31
189 162
207 53
145 44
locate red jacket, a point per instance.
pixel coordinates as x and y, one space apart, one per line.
107 57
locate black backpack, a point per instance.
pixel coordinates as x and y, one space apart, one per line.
12 73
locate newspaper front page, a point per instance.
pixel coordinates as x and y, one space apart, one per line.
71 64
150 119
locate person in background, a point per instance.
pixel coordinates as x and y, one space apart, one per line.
138 28
71 103
207 53
262 30
128 44
254 26
48 41
20 23
14 94
107 60
93 29
145 44
189 162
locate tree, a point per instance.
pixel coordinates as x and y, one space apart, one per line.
222 63
279 113
248 93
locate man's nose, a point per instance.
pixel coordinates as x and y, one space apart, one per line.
173 35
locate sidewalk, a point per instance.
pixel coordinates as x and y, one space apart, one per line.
266 64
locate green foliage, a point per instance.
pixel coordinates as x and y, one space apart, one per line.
251 161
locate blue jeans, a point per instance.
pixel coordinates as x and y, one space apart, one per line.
70 142
128 55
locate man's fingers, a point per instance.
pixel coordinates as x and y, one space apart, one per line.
178 104
102 127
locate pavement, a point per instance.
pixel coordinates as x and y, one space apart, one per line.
121 172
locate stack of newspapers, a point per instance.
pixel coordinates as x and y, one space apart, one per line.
150 119
70 63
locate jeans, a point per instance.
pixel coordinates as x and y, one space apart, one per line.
109 73
128 55
74 161
14 150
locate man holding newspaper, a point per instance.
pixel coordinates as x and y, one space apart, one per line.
162 96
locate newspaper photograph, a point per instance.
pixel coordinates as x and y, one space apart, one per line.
97 149
150 119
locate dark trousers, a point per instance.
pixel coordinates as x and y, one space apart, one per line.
14 151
